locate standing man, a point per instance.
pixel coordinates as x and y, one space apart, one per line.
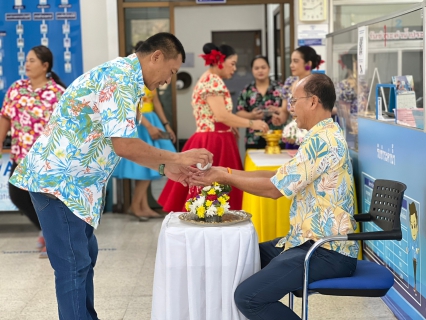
68 167
319 181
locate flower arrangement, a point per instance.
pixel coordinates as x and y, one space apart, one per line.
210 203
292 134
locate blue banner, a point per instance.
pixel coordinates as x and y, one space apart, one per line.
28 23
311 42
388 151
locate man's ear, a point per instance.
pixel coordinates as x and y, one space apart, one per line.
156 56
315 102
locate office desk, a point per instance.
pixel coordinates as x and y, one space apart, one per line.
270 217
197 269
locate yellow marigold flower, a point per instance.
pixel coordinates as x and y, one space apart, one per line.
222 200
220 211
209 203
187 204
200 211
226 197
211 191
216 184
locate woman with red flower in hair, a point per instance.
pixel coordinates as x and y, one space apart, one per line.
212 109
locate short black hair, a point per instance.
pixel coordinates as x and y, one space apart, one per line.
137 45
166 42
320 85
259 57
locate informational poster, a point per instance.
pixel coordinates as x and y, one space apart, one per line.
5 168
311 34
401 257
28 23
387 151
362 50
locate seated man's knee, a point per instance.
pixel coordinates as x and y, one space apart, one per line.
239 297
244 297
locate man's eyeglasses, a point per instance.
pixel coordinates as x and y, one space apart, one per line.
294 100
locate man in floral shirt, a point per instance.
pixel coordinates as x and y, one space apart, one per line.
68 167
320 183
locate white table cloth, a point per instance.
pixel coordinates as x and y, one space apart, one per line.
197 269
261 159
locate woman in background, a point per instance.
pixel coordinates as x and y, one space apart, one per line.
27 108
260 100
154 129
212 109
303 60
346 91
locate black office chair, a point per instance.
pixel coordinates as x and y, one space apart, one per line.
370 279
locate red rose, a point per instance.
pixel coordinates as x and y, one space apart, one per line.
211 197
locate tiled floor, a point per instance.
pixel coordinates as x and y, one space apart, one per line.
123 275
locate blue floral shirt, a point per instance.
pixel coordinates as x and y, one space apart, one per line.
320 183
74 157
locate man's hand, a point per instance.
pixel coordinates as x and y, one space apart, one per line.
179 173
205 178
194 156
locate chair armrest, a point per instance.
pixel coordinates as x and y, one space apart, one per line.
362 217
376 235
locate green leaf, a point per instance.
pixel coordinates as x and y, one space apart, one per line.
95 149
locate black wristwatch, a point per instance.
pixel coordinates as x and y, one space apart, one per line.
161 169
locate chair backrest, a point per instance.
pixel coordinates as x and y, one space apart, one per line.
386 203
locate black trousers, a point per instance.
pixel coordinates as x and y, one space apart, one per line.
21 199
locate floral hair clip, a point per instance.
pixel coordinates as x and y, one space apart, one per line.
320 63
214 57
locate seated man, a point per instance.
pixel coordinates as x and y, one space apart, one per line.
320 183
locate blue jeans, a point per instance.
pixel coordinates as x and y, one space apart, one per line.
72 249
257 297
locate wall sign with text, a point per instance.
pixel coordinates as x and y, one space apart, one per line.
28 23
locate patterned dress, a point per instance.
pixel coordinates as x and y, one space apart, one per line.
287 93
287 88
29 111
127 169
250 98
211 135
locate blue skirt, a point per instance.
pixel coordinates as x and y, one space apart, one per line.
127 169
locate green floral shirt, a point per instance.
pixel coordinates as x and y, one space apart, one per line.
251 98
320 183
74 157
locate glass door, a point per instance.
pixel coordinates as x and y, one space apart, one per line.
141 23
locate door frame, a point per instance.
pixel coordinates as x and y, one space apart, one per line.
122 5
